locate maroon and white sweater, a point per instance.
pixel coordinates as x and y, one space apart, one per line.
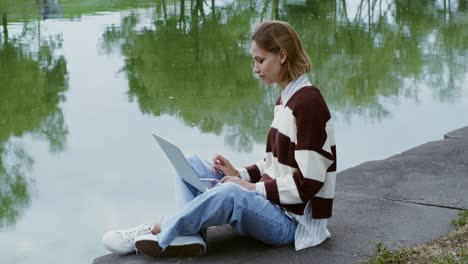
299 170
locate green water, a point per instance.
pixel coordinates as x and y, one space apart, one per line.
84 83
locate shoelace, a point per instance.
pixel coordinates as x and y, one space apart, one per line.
130 234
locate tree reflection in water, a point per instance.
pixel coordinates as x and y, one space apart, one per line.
193 62
31 89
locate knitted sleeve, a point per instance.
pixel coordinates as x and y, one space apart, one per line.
252 173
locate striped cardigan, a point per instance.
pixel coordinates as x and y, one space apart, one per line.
300 163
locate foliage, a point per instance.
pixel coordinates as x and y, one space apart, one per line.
384 255
462 219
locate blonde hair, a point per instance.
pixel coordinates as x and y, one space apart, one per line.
273 36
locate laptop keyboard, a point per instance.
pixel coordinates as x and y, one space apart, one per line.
209 183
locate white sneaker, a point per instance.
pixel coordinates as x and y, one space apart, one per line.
123 241
182 246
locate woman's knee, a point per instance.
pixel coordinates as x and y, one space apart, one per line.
231 188
233 192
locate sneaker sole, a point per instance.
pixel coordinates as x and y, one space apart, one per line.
151 248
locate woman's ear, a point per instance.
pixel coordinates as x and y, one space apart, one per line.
283 55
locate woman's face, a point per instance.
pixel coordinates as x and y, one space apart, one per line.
267 65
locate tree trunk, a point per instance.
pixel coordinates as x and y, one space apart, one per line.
5 29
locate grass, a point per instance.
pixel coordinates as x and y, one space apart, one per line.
452 248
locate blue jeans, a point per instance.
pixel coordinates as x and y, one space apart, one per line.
247 212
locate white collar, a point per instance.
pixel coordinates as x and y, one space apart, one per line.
293 87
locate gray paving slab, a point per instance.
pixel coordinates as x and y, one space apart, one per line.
309 256
358 223
434 173
407 199
461 133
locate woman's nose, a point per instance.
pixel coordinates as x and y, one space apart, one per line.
256 69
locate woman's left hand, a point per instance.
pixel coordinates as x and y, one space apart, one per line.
247 185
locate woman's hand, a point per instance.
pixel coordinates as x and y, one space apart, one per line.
222 164
247 185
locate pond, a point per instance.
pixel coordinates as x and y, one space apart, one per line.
84 83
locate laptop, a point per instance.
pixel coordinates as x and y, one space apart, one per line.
182 166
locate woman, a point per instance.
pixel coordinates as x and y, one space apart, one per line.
283 199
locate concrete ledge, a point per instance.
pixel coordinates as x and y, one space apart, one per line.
361 221
461 133
435 173
358 224
406 199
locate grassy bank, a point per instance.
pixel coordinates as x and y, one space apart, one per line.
452 248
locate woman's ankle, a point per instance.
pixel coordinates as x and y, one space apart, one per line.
156 229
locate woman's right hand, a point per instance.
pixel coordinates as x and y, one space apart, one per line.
222 164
